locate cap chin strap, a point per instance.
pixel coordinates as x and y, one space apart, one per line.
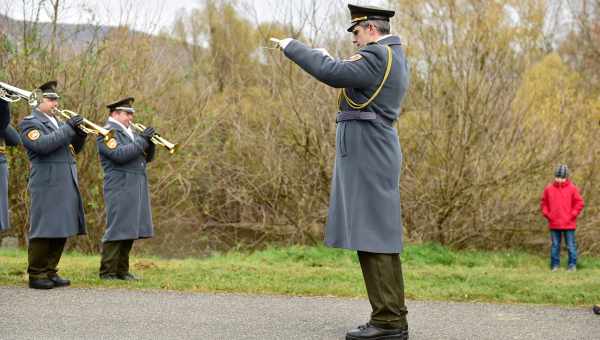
357 106
50 95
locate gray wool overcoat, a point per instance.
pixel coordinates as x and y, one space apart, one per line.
126 196
364 209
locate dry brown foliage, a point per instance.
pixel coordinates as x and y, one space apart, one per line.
491 110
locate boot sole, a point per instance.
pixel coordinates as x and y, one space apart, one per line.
41 287
403 336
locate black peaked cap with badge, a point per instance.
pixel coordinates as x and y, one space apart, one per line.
125 104
363 13
49 89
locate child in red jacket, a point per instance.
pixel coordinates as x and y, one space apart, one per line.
561 204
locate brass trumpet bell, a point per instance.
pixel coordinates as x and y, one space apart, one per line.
157 139
13 94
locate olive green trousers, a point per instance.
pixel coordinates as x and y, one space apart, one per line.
385 287
43 256
115 257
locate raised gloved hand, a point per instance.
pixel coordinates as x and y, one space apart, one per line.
148 133
75 121
81 133
281 43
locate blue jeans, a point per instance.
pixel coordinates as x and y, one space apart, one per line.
569 236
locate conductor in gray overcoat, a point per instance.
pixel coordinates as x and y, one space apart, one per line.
364 208
128 214
56 210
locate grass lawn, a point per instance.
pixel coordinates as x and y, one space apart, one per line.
431 272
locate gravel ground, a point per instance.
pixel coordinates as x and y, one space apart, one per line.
72 313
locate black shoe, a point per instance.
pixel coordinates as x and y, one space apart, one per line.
369 331
59 281
596 309
127 277
41 284
108 277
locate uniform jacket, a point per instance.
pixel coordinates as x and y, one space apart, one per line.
56 206
126 196
364 209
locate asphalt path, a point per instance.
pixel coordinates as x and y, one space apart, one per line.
73 313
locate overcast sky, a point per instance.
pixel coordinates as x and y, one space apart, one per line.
152 15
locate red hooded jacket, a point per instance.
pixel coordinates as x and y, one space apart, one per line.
561 204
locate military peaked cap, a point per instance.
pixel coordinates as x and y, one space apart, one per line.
122 105
363 13
49 89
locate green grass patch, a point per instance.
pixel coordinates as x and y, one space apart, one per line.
431 272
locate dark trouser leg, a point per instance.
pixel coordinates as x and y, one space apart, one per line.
555 236
37 254
571 247
57 245
110 258
123 264
385 286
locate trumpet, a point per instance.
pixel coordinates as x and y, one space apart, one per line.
157 139
13 94
87 126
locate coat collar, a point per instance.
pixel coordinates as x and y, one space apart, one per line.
41 116
563 184
44 119
391 40
118 127
115 125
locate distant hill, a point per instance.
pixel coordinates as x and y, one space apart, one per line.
77 35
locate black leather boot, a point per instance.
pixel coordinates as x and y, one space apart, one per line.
369 331
41 284
127 277
596 309
59 281
108 277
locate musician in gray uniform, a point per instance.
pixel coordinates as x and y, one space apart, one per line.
124 158
364 211
8 137
56 210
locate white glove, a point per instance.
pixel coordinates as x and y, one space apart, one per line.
324 52
281 43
